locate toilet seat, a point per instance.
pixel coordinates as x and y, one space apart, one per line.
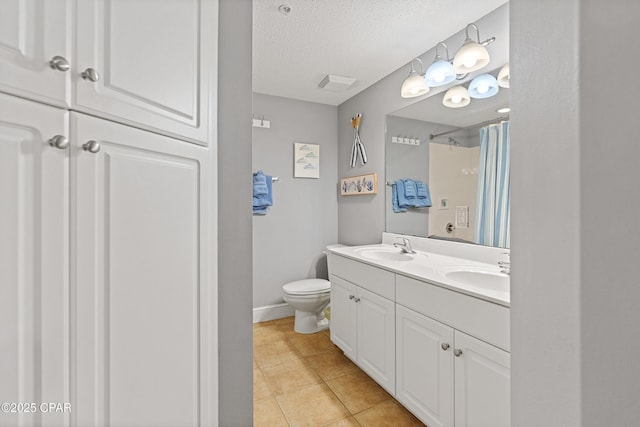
307 287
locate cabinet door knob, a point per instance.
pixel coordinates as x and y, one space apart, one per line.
351 296
445 346
91 146
59 63
59 141
457 352
357 300
90 74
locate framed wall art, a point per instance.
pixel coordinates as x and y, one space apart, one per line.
306 160
359 185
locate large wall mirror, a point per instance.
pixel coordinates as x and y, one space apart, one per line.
463 157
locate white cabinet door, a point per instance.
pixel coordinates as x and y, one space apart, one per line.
34 259
424 367
32 33
139 279
376 337
482 383
343 316
155 63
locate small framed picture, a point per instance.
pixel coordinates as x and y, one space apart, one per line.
306 160
359 185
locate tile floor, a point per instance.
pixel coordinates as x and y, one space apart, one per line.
305 380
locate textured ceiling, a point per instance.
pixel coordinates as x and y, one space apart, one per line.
363 39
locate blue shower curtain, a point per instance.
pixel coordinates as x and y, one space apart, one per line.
493 212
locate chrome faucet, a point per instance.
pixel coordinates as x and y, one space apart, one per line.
505 266
405 246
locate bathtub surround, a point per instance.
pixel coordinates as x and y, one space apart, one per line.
289 241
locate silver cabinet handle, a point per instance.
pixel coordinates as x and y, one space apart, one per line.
351 296
90 74
357 300
59 63
91 146
457 352
59 141
445 346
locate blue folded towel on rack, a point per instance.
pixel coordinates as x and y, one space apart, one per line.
422 193
394 199
262 193
408 193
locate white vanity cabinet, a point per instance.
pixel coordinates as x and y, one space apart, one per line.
445 376
448 378
451 365
482 383
424 367
362 321
150 65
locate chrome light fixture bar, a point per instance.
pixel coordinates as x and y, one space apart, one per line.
472 56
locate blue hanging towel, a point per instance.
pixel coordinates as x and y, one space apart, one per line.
410 191
394 199
262 193
423 195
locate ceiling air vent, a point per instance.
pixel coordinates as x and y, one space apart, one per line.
334 83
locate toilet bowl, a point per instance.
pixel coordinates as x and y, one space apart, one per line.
309 298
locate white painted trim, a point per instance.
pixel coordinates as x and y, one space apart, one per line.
272 312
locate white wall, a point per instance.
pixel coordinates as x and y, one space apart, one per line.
575 285
362 219
288 242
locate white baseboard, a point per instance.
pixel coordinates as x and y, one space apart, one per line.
272 312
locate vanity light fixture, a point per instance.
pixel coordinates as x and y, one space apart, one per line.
472 55
440 72
503 110
456 97
483 86
414 85
504 77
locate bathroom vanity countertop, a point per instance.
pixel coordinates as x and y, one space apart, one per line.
431 267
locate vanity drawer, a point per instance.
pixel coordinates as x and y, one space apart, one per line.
476 317
376 280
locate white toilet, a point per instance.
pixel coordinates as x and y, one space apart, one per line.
309 298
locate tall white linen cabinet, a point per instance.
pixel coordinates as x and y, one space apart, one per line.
108 293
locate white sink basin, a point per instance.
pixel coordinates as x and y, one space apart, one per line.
481 277
385 254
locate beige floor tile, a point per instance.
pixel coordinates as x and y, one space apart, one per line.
260 386
357 391
388 414
345 422
274 353
331 365
285 321
263 324
308 344
289 376
267 334
266 412
315 405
